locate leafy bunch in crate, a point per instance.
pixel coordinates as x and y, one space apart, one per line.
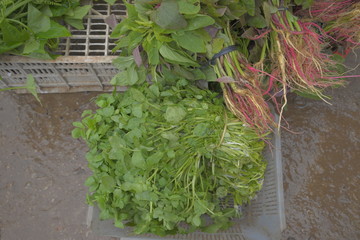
169 159
33 28
258 51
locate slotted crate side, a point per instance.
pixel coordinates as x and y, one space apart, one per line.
85 62
264 217
66 74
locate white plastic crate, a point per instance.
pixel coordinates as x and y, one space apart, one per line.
263 218
85 62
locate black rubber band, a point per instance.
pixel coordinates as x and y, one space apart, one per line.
283 9
223 52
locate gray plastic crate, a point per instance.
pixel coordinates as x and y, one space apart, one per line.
85 62
263 218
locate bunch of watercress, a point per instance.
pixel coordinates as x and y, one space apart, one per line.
33 28
165 159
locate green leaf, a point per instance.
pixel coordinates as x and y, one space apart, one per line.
257 21
76 23
91 183
304 3
123 62
56 30
138 160
200 21
250 6
137 110
171 55
155 90
108 183
11 35
77 133
120 79
308 95
167 16
106 112
37 21
174 114
31 86
217 45
154 158
201 129
111 2
221 192
79 12
152 50
31 45
196 220
188 7
132 75
137 95
213 228
78 124
190 41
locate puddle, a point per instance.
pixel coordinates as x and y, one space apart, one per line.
321 166
42 169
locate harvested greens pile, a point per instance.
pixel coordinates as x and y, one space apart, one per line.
167 154
161 156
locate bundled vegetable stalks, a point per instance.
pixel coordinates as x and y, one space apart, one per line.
298 59
341 21
165 159
242 89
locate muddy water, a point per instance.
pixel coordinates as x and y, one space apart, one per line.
322 166
42 169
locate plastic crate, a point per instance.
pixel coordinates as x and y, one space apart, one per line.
85 61
263 218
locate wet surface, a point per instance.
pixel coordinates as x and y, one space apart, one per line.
42 169
322 166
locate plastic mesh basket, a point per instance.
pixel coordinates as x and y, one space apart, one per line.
264 217
85 61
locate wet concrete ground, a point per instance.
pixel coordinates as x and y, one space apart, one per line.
42 169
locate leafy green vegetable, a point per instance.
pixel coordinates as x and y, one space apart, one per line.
161 156
32 28
30 86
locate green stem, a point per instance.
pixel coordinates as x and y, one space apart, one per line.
15 6
263 51
18 22
11 88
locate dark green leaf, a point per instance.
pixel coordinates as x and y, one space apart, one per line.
200 21
190 41
108 183
174 114
79 12
257 21
76 23
189 7
170 54
123 62
138 160
154 159
56 30
31 86
37 21
12 35
167 16
250 6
